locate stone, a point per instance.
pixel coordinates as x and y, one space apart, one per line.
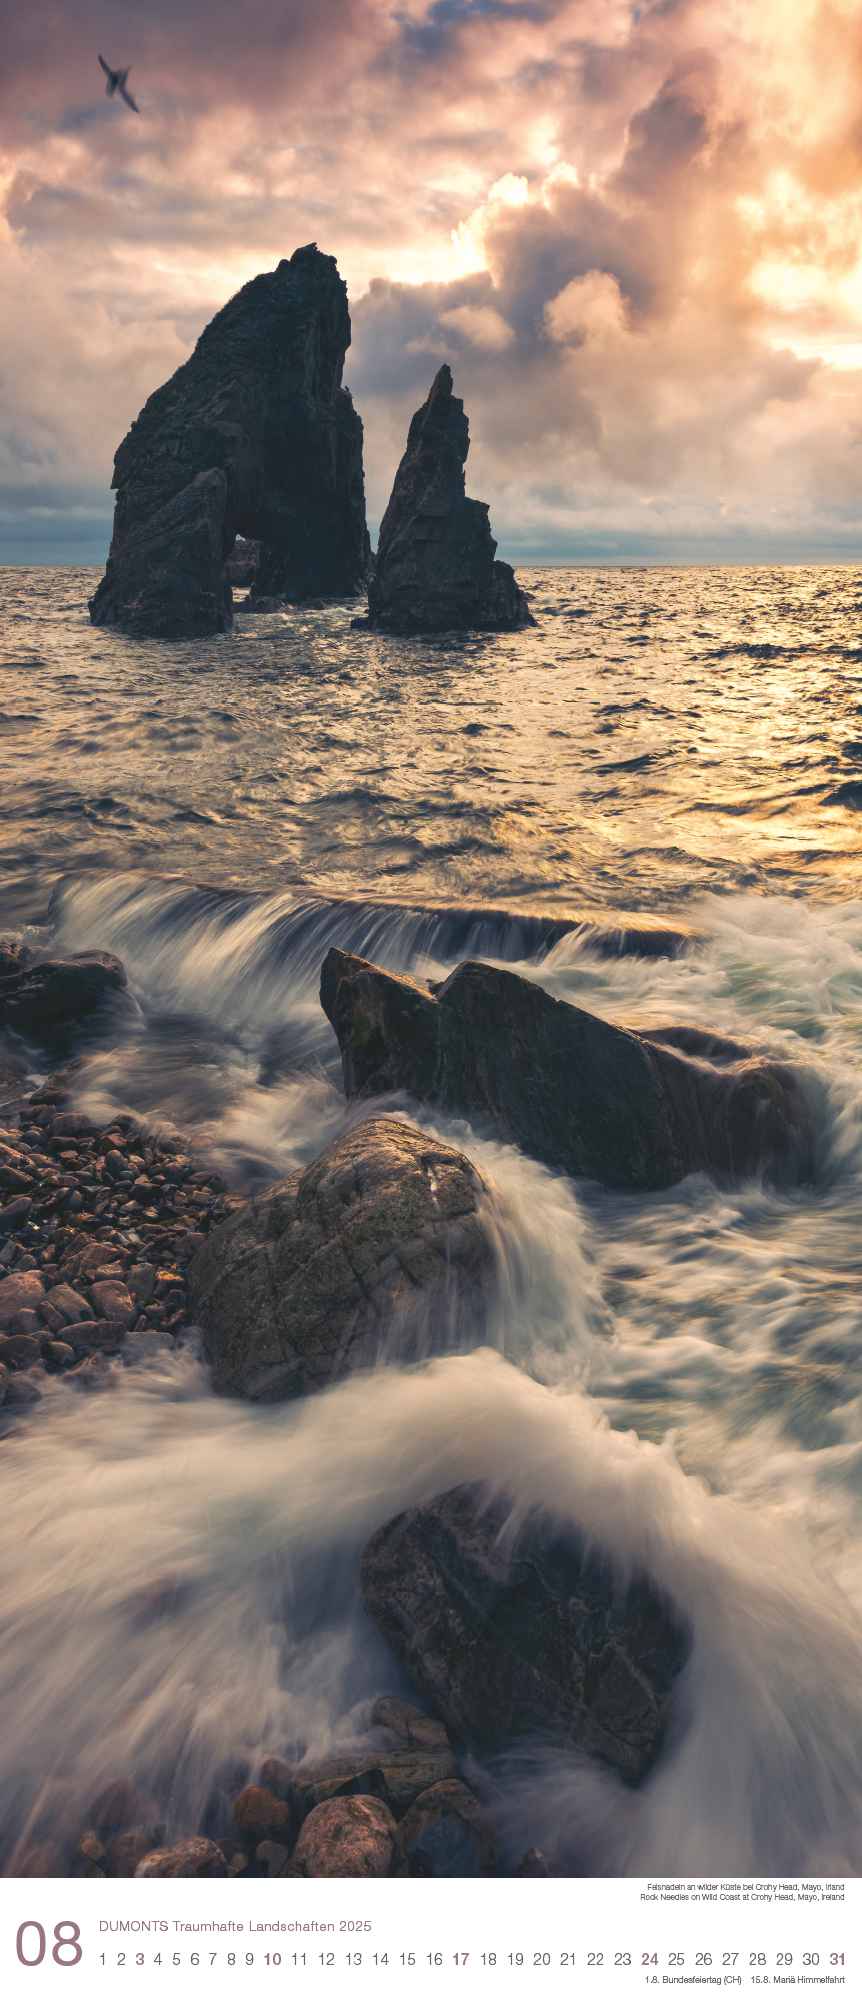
15 1213
395 1777
509 1636
24 1289
112 1301
381 1240
435 568
254 436
194 1857
24 1389
47 1001
352 1837
85 1335
4 1382
412 1726
141 1281
259 1813
58 1355
120 1804
20 1351
586 1096
445 1835
68 1305
94 1260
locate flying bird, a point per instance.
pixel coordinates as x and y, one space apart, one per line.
117 82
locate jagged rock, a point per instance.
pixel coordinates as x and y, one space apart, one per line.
353 1837
254 436
507 1637
435 567
42 1001
589 1097
379 1243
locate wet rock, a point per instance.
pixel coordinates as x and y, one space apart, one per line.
4 1383
58 1355
195 1857
445 1835
525 1634
112 1301
580 1093
68 1305
23 1290
435 568
95 1260
86 1335
254 435
141 1281
386 1233
15 1213
20 1351
412 1726
259 1813
24 1389
48 999
394 1777
352 1837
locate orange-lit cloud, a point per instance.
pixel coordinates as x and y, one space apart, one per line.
634 230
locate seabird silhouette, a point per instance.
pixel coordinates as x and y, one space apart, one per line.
117 82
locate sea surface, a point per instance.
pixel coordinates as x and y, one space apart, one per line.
680 1375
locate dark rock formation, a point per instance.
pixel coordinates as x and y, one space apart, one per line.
376 1246
254 436
435 567
532 1636
242 563
584 1095
44 1001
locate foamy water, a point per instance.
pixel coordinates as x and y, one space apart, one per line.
679 1376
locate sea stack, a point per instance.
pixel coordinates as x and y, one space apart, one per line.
435 568
257 437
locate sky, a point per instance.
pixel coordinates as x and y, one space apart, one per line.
635 232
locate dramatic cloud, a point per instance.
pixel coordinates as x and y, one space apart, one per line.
634 231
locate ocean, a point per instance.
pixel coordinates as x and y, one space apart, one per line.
679 1375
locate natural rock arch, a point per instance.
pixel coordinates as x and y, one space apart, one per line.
255 436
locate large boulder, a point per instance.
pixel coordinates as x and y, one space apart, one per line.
527 1636
581 1093
45 1001
254 436
435 567
379 1247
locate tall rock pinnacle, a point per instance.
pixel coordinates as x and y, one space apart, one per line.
255 435
435 566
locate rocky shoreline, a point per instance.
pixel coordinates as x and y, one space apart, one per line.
98 1227
506 1624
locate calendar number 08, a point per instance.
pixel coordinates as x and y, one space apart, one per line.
31 1944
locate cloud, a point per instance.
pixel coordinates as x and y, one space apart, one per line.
634 232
